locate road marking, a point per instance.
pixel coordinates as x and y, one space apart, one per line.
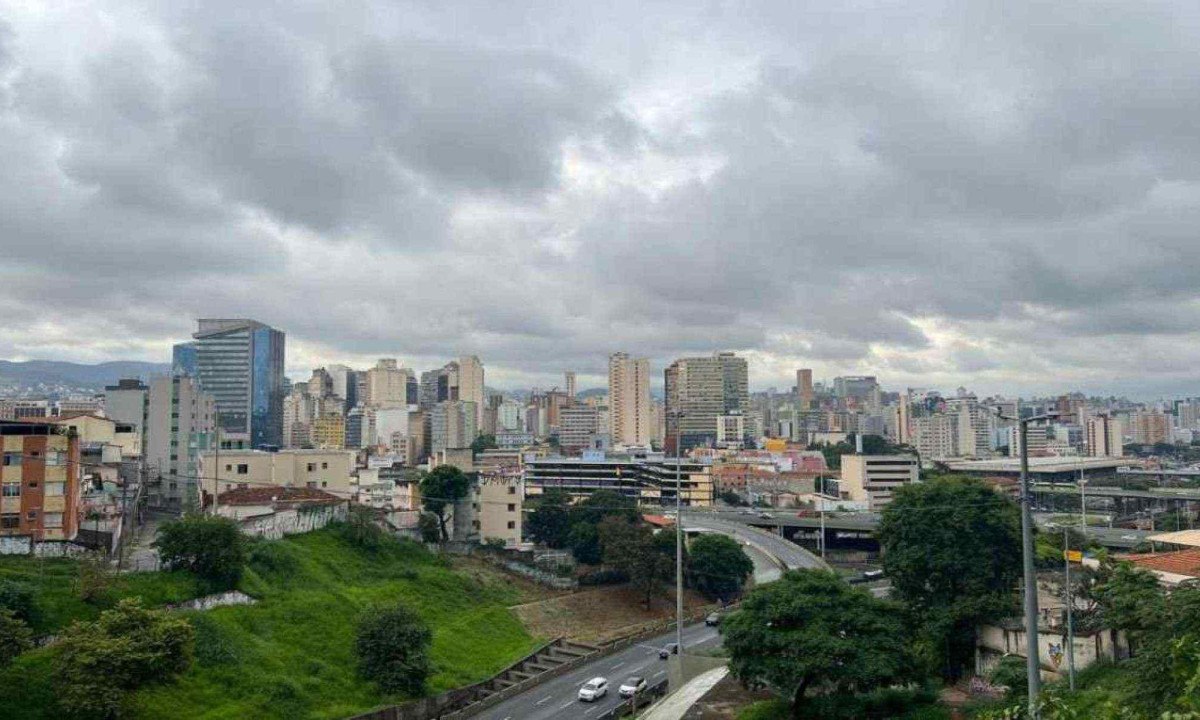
548 697
660 672
614 667
569 704
589 711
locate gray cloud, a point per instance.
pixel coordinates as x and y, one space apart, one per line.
940 193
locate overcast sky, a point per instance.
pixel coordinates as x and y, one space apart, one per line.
1004 195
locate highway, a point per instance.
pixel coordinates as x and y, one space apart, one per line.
558 699
788 552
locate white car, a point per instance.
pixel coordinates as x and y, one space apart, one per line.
593 689
632 686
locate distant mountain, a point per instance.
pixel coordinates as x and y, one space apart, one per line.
54 373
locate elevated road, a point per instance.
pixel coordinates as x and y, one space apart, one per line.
791 555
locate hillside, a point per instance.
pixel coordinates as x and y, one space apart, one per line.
32 373
291 655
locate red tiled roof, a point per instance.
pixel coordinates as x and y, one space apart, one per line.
269 495
1184 562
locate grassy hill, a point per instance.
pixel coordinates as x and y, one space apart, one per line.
292 655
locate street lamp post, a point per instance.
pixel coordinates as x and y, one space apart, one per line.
679 539
1032 660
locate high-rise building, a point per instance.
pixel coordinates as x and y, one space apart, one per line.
629 400
240 363
321 383
1150 428
452 426
183 359
387 384
578 426
427 393
860 392
934 435
700 391
804 388
569 377
345 383
180 424
329 431
127 403
470 385
39 481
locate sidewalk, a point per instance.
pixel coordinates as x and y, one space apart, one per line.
675 705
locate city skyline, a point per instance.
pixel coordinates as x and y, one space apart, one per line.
967 203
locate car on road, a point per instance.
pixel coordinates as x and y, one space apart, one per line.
713 619
766 516
632 686
593 689
668 650
745 511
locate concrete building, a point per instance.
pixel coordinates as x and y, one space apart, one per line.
1104 436
629 400
497 500
127 402
933 435
804 389
1149 428
875 478
578 427
184 359
452 425
470 386
180 424
699 391
387 384
974 427
329 431
328 470
345 384
40 487
732 431
649 482
240 364
1037 440
569 379
860 392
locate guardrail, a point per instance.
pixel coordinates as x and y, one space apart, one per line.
652 694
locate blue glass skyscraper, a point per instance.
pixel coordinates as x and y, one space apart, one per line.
241 364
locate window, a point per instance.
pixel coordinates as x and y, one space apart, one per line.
55 488
324 484
10 522
10 490
31 515
512 507
312 467
52 520
12 458
324 466
32 484
228 468
512 525
512 490
311 483
243 469
56 457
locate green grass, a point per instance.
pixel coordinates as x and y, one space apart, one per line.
53 582
292 654
895 704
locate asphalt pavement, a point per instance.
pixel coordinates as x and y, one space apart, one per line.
558 699
785 550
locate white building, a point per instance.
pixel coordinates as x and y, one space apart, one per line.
875 478
328 470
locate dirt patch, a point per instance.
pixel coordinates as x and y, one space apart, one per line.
725 700
530 591
599 615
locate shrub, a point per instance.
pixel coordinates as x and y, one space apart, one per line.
15 637
272 558
212 548
393 649
95 577
127 648
603 577
361 530
18 598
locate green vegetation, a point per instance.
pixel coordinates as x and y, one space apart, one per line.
718 566
952 549
483 442
99 663
393 649
630 548
811 633
890 704
292 654
15 637
550 522
440 489
211 548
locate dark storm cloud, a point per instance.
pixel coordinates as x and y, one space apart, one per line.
936 192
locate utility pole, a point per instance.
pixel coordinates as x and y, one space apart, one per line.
1082 501
679 541
1032 661
1070 614
216 466
822 543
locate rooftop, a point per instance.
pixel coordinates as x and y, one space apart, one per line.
276 495
1183 562
1040 464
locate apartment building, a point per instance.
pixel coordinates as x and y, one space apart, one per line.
1104 436
874 479
699 392
629 400
40 476
579 426
328 470
497 500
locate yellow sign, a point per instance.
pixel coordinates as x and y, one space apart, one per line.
1073 555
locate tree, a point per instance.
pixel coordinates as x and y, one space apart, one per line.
15 637
483 442
718 567
19 599
584 541
440 489
1126 597
811 631
95 576
212 548
392 644
550 520
730 497
127 648
601 504
631 549
429 527
952 549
